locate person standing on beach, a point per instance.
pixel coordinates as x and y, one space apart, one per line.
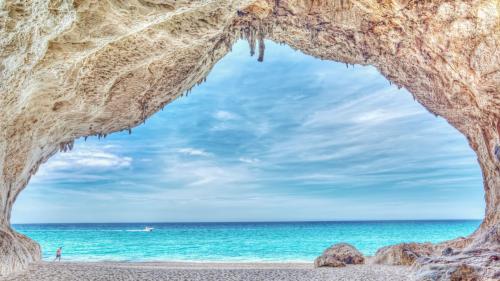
58 254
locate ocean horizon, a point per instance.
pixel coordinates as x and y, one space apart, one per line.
278 241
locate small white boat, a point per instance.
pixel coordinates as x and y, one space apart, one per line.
148 229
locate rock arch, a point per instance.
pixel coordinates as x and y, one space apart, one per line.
71 69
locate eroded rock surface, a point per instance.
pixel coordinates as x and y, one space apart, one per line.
16 250
479 260
404 253
339 255
71 69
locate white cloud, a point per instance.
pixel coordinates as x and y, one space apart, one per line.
225 115
193 151
81 162
249 160
87 158
377 107
382 115
203 173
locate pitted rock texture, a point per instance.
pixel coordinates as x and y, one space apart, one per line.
71 69
404 253
16 250
476 260
339 255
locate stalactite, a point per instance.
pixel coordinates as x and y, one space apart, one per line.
262 46
66 146
202 80
252 42
143 108
229 46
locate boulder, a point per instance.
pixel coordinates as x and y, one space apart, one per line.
339 255
403 254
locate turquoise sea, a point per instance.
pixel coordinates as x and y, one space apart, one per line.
260 241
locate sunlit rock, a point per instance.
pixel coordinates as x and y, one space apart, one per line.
403 254
339 255
16 250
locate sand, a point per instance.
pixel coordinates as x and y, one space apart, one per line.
176 271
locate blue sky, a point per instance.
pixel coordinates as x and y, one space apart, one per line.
292 138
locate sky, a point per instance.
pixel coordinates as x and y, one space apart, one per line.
291 139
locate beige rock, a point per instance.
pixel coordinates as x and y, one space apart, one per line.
339 255
16 249
403 254
71 69
463 273
462 259
328 261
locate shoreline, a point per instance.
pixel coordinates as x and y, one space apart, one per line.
214 262
207 271
190 264
368 260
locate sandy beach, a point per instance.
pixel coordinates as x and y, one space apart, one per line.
206 271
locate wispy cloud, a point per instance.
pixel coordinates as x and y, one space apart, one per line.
205 173
370 109
225 115
81 164
193 151
89 159
249 160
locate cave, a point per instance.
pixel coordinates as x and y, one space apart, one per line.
77 69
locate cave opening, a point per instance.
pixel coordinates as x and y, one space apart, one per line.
291 139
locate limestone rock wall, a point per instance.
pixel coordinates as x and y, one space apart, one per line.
77 68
